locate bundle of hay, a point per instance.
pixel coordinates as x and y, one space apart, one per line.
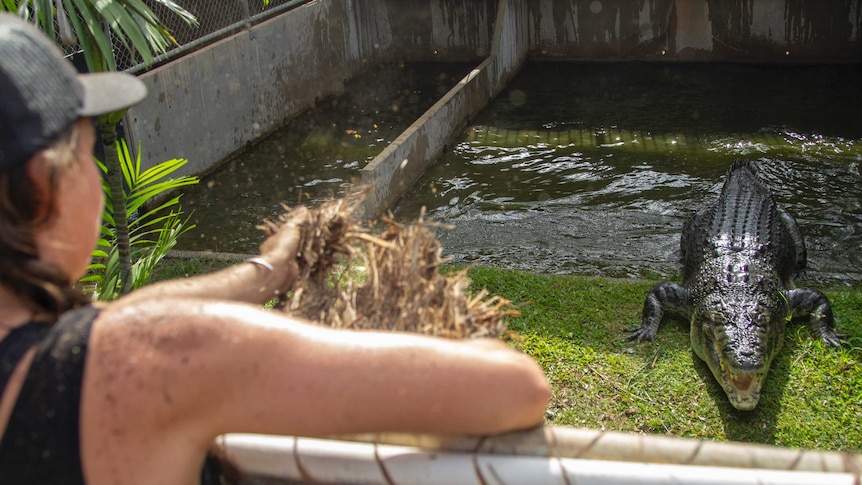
350 278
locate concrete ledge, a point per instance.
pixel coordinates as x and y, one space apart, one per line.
391 174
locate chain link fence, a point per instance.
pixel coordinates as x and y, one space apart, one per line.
216 19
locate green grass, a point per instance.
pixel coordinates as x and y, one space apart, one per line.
174 267
575 328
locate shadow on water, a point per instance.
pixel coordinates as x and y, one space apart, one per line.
576 168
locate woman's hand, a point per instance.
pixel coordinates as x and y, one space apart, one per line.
279 250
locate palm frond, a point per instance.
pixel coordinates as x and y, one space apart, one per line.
151 234
131 22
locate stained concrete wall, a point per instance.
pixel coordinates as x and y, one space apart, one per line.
450 30
722 30
209 105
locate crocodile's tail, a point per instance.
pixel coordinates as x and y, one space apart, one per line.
746 169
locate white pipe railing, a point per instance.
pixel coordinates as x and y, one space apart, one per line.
549 455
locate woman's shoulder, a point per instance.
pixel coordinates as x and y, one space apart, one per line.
147 399
163 344
163 325
157 362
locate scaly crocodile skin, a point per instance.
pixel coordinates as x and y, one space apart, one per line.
739 255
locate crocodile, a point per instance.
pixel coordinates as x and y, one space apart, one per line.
740 254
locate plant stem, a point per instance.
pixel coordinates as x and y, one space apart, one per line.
108 133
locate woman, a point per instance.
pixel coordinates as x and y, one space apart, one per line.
135 391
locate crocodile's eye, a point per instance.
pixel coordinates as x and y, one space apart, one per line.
711 319
708 330
717 317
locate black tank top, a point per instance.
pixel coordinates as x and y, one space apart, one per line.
41 442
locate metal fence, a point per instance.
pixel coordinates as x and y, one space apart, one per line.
216 19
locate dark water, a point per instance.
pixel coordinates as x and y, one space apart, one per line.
580 168
314 157
593 168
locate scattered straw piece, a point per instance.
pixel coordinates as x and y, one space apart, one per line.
389 281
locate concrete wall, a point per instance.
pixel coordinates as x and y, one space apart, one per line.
208 105
724 30
451 30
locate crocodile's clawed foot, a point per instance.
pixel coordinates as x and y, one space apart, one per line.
834 339
640 333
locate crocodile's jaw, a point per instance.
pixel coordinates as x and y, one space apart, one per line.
741 386
738 353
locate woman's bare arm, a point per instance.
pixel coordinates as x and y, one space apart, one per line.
246 282
335 381
235 368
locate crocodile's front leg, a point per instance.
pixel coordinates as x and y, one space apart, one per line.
815 305
663 298
796 238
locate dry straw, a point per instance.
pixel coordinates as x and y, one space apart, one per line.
352 279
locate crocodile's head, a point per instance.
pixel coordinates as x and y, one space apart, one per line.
737 330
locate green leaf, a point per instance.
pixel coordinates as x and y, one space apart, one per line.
152 234
172 7
119 20
141 196
162 207
132 22
98 253
128 167
98 51
161 170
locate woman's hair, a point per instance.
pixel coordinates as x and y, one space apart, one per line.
22 210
